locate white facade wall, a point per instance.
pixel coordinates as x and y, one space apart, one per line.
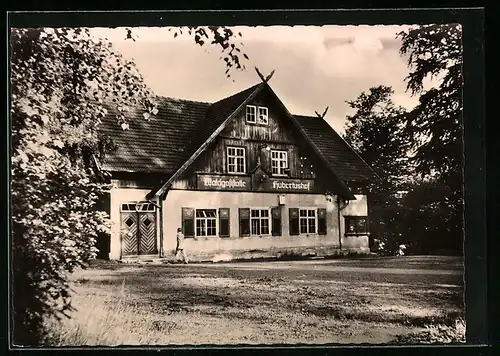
177 199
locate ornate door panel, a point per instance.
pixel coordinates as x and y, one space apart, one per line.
129 233
147 233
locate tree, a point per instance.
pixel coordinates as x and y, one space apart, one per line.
61 82
434 127
374 131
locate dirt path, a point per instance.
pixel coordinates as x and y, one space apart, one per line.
318 301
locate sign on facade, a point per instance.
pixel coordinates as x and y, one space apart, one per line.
244 183
291 185
220 182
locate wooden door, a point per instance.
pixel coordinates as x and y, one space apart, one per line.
147 233
129 233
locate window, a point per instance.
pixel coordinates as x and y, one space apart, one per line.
263 118
251 114
145 207
140 206
129 207
279 162
356 225
307 221
235 160
206 222
257 115
259 222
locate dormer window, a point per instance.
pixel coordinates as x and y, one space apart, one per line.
257 115
251 114
263 119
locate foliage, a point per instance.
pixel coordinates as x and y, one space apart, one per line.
221 36
375 132
62 80
428 218
434 127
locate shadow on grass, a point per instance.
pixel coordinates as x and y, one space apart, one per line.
340 313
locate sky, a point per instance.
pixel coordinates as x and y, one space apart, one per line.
315 66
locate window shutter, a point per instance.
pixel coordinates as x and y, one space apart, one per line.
244 214
322 221
224 222
294 221
188 222
276 216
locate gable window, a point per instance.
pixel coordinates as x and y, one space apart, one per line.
307 221
251 114
263 117
235 160
279 162
356 225
259 222
206 223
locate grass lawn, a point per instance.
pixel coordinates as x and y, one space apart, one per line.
372 300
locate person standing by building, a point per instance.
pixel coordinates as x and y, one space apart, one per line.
180 246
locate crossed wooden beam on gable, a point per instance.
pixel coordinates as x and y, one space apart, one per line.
324 113
264 79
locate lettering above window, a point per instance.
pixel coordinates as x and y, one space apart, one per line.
236 160
257 115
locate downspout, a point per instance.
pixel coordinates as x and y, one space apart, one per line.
340 228
338 212
160 209
161 228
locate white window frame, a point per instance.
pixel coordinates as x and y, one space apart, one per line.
356 232
205 219
262 119
278 160
125 206
269 232
307 218
249 114
235 156
139 206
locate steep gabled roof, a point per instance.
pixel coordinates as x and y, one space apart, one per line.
157 145
217 118
346 163
172 140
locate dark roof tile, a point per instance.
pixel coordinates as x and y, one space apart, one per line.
346 163
155 145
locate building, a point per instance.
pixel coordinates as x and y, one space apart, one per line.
241 174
